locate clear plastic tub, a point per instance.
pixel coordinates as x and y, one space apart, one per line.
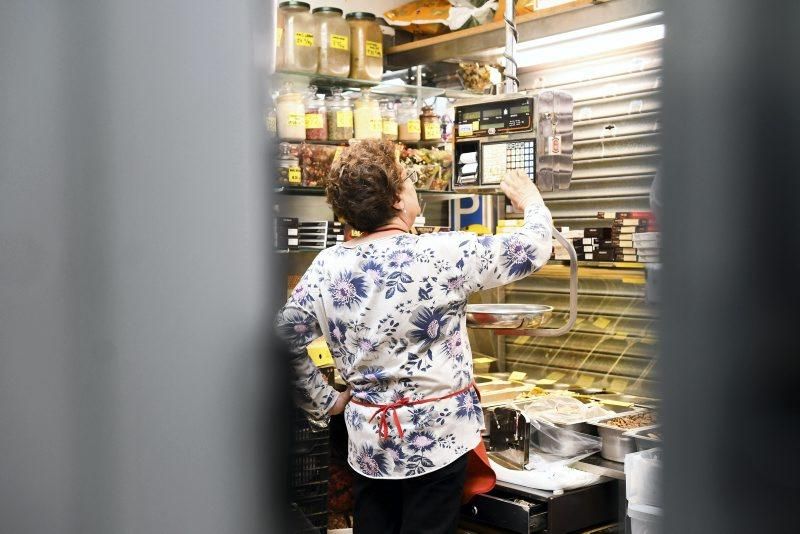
645 519
643 477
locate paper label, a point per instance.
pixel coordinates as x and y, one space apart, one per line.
375 124
340 42
476 125
554 145
278 36
432 131
602 322
374 49
294 120
344 119
272 124
482 359
294 176
304 39
413 126
314 121
464 130
390 127
517 375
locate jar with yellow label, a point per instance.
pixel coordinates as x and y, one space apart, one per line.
389 121
340 116
409 126
366 47
291 115
367 117
316 118
300 41
288 165
334 42
431 125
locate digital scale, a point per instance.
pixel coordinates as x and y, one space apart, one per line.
496 134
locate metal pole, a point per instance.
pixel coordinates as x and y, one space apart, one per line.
510 73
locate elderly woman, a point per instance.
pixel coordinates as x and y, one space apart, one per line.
391 306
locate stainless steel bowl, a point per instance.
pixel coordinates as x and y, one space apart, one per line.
508 316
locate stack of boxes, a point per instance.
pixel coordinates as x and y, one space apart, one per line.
286 233
293 234
626 225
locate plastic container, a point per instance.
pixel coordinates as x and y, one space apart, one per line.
300 43
334 42
388 121
645 519
408 123
431 125
367 117
316 162
366 47
316 119
289 172
643 477
340 116
291 112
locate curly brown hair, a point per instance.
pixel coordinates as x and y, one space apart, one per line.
364 184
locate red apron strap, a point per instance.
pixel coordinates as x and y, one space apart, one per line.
480 475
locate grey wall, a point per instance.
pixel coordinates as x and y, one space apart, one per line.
133 267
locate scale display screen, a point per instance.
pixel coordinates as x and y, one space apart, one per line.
495 117
516 110
471 116
491 113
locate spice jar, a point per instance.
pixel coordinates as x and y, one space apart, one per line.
388 121
300 45
431 125
340 116
280 25
288 165
291 115
334 42
367 117
316 119
408 121
366 47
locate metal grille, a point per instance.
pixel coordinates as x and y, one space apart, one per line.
617 114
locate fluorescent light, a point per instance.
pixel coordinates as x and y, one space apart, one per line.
589 46
592 30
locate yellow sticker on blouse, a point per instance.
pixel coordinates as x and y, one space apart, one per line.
294 176
295 119
314 121
389 127
517 375
278 36
340 42
344 119
303 39
413 126
374 49
432 130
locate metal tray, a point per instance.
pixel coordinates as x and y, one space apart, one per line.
508 316
616 441
643 441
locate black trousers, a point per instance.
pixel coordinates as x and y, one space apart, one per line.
428 504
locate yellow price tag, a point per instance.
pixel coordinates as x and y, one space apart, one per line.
314 121
476 125
413 126
337 153
295 119
294 176
374 49
389 127
278 36
344 119
375 124
340 42
602 322
432 131
517 375
304 39
482 359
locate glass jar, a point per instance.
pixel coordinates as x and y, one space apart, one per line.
388 121
366 47
367 117
340 116
291 115
316 119
288 166
431 125
300 43
334 42
280 25
408 121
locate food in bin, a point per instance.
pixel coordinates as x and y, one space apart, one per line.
435 166
636 420
315 163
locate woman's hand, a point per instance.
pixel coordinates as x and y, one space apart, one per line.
519 189
341 402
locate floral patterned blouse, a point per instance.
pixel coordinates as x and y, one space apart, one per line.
392 311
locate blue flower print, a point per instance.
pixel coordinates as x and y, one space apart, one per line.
348 290
421 416
373 271
453 283
429 322
366 349
372 462
296 327
301 295
374 375
393 450
353 419
338 330
468 406
420 441
453 346
518 256
401 259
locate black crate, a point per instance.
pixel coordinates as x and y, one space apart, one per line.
306 469
315 512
